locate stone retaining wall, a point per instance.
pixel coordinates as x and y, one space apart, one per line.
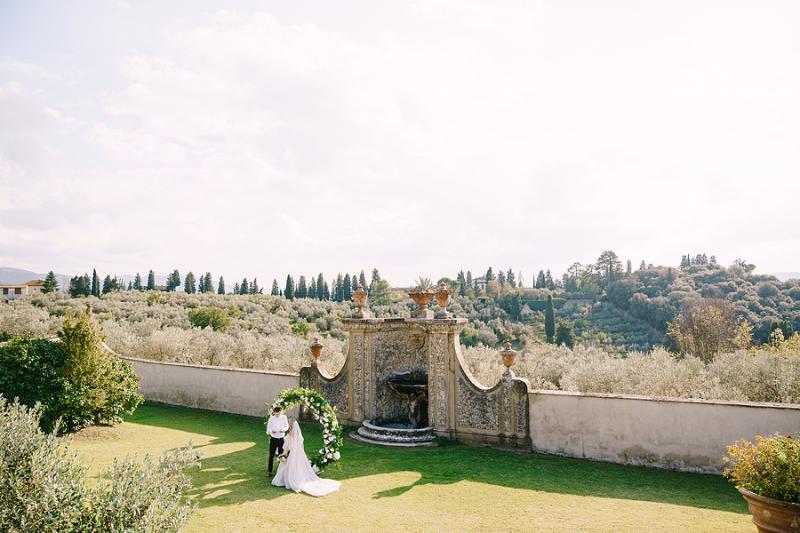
231 390
680 434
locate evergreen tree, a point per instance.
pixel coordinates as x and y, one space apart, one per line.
501 278
312 290
302 288
549 320
50 283
362 280
130 285
339 289
107 284
137 282
254 288
354 281
565 335
642 266
541 281
174 280
320 287
288 292
244 288
347 288
326 293
209 283
151 281
462 282
629 268
548 280
75 288
609 265
489 275
276 290
376 276
95 283
511 279
236 288
380 292
469 280
189 284
221 286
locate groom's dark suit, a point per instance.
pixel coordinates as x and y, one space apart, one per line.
275 445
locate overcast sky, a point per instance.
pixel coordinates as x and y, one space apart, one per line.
262 138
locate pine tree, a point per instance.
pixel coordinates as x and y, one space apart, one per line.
549 320
362 280
565 335
376 276
326 293
151 281
244 288
320 287
87 285
137 282
174 280
288 292
254 288
548 280
189 284
354 281
50 283
541 281
107 284
347 288
489 275
236 288
95 283
312 290
501 278
276 290
209 283
221 286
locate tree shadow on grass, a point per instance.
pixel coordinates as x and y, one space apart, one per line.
240 475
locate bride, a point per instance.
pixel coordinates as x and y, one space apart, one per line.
295 471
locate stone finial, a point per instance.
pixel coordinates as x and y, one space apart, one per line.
508 354
316 349
360 299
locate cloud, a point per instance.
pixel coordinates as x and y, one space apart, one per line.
10 65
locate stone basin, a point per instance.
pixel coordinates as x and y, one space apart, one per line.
394 434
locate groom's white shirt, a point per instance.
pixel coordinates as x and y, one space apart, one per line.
277 426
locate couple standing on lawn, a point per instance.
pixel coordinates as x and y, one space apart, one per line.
294 468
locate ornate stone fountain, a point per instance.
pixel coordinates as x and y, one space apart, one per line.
404 382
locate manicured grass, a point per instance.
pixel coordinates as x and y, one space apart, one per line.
447 488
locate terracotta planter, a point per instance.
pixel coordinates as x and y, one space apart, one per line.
360 299
316 349
423 300
443 300
772 516
508 354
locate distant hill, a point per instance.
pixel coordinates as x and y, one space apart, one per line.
10 276
783 276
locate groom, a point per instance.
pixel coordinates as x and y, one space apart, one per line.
277 425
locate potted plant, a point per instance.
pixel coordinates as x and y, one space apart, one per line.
422 295
767 474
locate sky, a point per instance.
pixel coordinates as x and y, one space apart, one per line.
421 138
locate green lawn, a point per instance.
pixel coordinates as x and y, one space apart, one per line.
447 488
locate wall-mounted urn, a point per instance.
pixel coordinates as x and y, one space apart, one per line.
360 299
508 354
316 350
443 299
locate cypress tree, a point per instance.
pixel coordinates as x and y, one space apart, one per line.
189 284
302 288
550 320
326 293
276 291
462 282
254 287
151 281
130 285
541 282
96 283
244 288
320 287
511 279
137 282
209 284
376 276
288 291
50 282
174 280
339 289
312 289
548 280
86 285
489 274
221 286
501 278
469 280
362 280
347 288
354 281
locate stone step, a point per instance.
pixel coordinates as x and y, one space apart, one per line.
394 436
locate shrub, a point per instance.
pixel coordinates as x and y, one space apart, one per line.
212 317
43 486
770 467
75 378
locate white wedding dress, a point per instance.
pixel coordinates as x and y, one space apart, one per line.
295 472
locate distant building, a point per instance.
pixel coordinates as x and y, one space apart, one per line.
480 283
11 292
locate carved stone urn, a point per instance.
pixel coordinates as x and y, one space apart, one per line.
443 299
423 299
508 354
360 299
316 349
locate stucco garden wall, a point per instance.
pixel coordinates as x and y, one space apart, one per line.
671 433
231 390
